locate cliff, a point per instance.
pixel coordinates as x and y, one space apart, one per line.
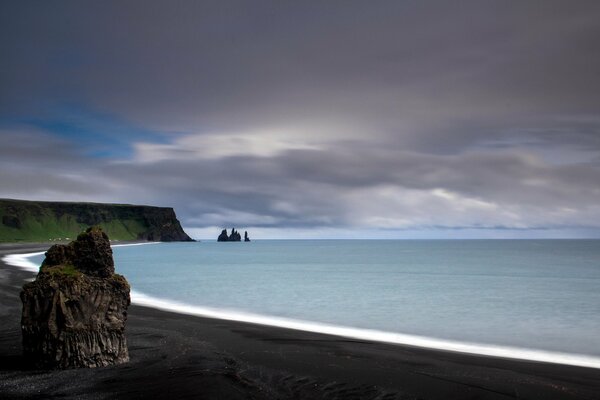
36 221
74 313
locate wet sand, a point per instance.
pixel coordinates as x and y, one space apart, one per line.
179 356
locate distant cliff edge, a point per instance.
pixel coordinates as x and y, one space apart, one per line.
33 221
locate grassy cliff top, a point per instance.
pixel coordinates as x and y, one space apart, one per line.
43 221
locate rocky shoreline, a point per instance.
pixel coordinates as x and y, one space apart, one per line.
179 356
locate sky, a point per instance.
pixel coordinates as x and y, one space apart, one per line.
310 119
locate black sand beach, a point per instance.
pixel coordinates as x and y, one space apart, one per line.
178 356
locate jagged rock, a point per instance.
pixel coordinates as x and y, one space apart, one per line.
223 237
234 237
90 253
246 238
93 255
74 313
59 254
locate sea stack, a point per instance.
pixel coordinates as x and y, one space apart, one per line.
234 237
74 313
223 237
246 238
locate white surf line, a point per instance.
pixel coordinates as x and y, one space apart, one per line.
578 360
134 244
23 261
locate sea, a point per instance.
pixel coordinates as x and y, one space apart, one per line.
529 299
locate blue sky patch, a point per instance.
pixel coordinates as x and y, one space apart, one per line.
99 135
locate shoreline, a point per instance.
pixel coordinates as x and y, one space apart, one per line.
431 343
253 356
392 338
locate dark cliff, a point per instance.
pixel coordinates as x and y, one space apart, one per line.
74 313
42 221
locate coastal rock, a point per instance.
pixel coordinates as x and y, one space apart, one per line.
93 255
223 237
246 238
234 237
74 313
59 254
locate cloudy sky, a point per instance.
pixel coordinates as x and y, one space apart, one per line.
400 119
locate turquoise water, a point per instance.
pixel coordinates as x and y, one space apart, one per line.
534 294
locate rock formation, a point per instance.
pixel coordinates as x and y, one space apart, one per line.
234 237
246 238
74 312
223 237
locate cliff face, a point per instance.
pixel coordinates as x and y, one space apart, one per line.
43 221
74 312
163 226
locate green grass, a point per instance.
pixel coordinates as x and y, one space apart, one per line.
61 271
41 224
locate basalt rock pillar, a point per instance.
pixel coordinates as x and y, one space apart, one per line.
74 312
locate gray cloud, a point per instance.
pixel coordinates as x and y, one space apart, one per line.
388 115
341 187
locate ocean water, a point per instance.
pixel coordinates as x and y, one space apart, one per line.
541 295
